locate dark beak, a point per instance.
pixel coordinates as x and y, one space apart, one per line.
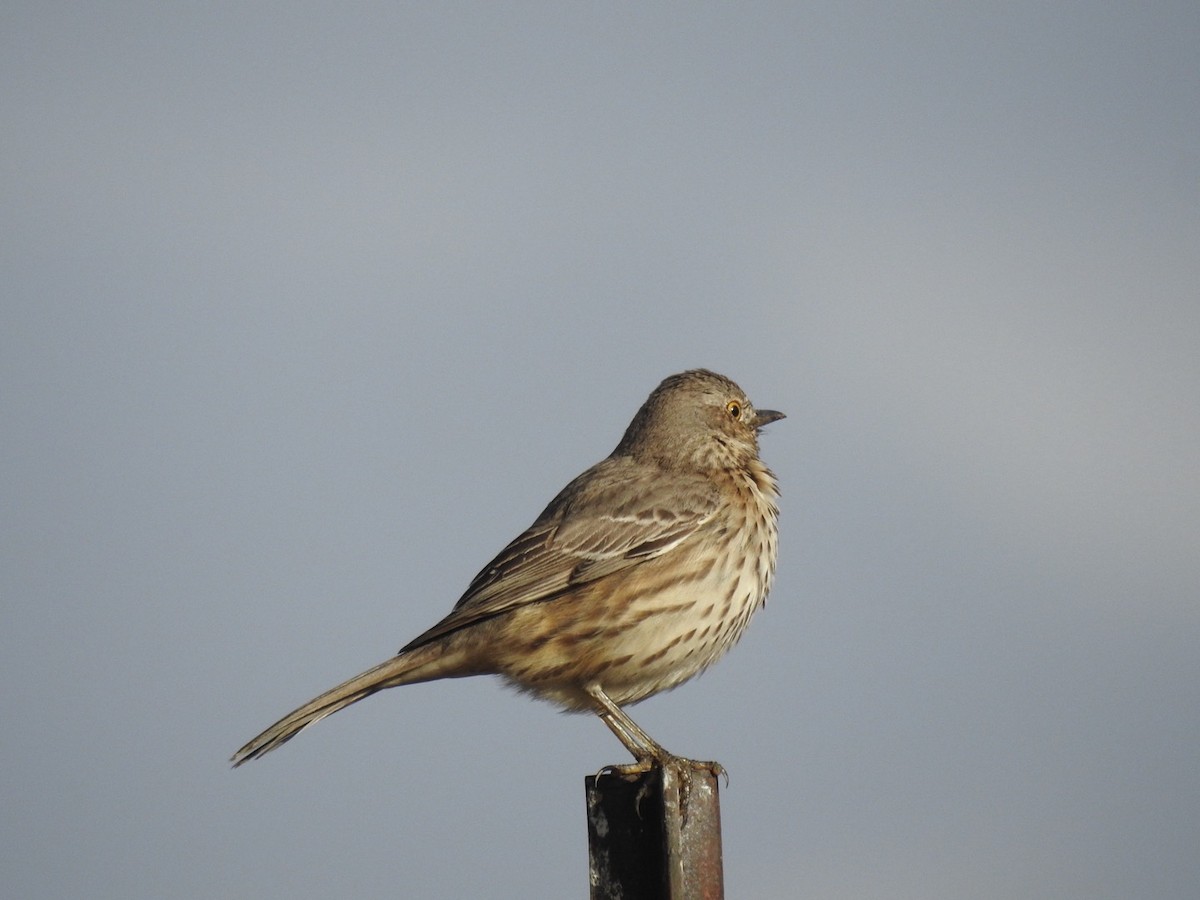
766 417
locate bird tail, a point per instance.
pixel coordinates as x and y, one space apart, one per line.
423 663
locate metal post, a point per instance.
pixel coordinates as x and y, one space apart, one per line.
655 835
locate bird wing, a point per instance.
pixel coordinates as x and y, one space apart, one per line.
615 515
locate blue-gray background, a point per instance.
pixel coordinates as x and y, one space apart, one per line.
309 308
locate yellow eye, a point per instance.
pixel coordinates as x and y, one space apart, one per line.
734 409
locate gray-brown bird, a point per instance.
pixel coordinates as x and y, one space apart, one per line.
640 574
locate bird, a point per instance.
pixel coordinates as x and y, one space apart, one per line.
642 572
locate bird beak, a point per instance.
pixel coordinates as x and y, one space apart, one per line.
766 417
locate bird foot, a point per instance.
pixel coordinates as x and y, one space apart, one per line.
677 776
679 764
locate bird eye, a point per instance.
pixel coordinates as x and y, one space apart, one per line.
734 409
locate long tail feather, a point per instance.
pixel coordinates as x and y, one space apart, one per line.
419 664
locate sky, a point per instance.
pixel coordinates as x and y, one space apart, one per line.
310 308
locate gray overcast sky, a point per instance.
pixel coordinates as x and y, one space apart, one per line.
309 308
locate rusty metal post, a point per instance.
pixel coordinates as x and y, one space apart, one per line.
656 835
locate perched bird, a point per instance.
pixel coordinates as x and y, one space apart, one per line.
640 574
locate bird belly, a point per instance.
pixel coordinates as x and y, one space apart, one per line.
635 634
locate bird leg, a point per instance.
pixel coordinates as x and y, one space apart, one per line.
644 748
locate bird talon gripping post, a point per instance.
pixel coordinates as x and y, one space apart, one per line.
639 575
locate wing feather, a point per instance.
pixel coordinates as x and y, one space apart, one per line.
600 524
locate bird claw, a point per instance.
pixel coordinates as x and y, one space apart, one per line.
628 771
680 764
